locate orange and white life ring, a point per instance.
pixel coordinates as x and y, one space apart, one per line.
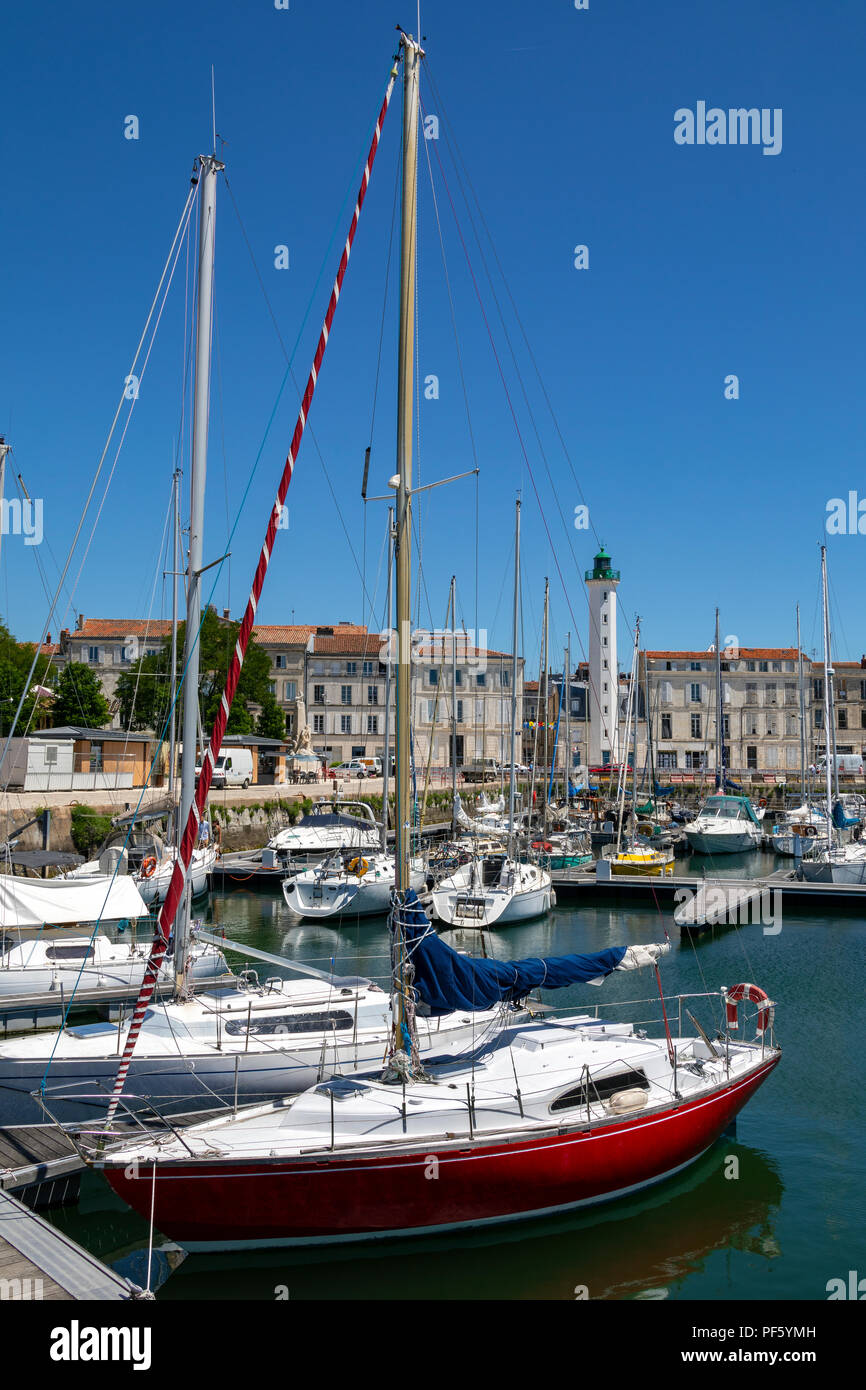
755 995
763 801
148 866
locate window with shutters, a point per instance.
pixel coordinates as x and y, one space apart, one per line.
695 693
842 718
372 723
770 693
696 726
751 692
319 697
345 723
345 694
372 694
667 720
318 723
790 693
751 756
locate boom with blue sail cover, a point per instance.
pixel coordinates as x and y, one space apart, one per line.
446 980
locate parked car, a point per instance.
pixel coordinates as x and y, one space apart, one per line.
358 767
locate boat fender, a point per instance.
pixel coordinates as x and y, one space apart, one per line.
148 866
766 1009
622 1101
552 898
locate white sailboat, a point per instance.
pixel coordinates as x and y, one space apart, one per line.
834 861
503 887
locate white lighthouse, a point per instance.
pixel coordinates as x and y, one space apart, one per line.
602 582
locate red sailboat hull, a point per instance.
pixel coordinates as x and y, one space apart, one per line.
344 1196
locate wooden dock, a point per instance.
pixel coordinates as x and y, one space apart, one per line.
40 1163
573 885
39 1263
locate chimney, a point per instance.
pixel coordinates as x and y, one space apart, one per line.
48 639
80 624
226 614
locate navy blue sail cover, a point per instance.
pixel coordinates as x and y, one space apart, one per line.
446 980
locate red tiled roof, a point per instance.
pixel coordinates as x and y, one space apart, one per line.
122 627
295 634
348 643
743 654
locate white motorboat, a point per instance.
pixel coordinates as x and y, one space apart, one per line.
724 825
347 882
330 825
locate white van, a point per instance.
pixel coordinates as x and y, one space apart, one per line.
234 769
850 763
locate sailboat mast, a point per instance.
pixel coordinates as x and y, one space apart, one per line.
4 450
405 388
802 709
389 625
175 575
568 723
515 619
544 667
453 710
828 696
209 166
720 726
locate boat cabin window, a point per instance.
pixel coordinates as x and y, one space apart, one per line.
600 1087
290 1023
81 950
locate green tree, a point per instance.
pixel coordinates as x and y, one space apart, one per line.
15 660
79 698
144 692
272 720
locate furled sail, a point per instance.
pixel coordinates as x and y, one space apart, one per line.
446 980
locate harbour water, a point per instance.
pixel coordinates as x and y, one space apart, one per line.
774 1211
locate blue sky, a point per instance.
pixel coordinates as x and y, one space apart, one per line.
704 261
